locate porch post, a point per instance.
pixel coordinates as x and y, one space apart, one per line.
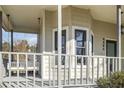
1 74
119 34
59 42
43 29
12 42
0 30
43 44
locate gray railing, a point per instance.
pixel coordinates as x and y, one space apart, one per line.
42 70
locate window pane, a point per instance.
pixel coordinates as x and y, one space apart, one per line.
80 37
24 42
6 40
63 41
80 51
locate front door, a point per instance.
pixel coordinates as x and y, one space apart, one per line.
111 51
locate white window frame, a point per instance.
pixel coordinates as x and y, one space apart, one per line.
73 37
67 39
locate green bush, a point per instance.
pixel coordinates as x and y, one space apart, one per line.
116 80
103 82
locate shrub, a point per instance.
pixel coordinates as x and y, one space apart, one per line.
103 82
116 80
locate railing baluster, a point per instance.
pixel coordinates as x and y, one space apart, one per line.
93 70
42 82
18 70
82 59
116 64
69 71
97 68
87 70
34 60
54 70
108 67
26 70
76 70
9 57
49 70
103 71
113 61
65 70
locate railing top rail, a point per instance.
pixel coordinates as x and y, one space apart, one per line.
55 54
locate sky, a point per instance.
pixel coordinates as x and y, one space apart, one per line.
31 38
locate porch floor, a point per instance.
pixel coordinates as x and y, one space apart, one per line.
20 82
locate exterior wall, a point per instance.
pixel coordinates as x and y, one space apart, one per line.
102 30
122 46
72 16
82 18
122 50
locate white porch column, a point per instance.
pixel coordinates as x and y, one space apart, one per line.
0 46
43 29
59 43
0 30
43 44
119 34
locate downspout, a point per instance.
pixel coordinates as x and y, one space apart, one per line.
118 20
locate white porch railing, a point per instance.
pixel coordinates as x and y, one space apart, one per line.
41 70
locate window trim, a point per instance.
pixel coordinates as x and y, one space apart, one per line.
73 37
67 39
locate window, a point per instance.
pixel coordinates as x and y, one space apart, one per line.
92 43
63 41
63 44
6 40
24 42
80 44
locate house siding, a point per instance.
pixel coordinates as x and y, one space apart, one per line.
122 50
102 30
72 16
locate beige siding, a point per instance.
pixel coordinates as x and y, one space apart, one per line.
122 50
102 30
122 47
80 17
48 32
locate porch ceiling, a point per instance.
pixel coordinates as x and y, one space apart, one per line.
24 17
105 13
